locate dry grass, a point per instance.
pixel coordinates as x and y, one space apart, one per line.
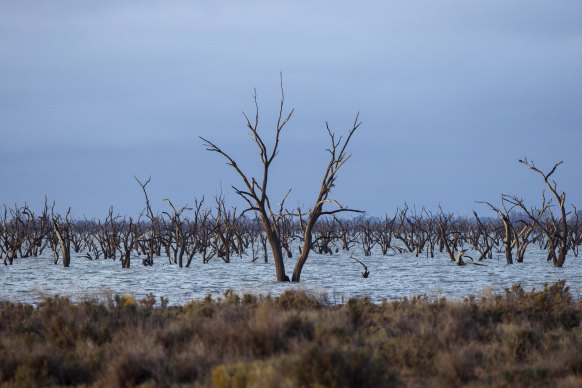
518 339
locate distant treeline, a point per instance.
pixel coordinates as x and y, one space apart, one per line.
218 232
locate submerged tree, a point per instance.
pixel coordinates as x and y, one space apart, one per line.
556 230
504 213
255 191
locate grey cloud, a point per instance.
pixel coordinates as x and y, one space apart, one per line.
451 93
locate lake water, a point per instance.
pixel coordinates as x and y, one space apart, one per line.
391 277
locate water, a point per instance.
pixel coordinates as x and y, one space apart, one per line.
391 277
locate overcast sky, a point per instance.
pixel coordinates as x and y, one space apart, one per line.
451 95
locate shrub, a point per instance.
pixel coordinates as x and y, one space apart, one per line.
516 339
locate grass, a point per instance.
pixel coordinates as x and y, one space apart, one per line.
516 339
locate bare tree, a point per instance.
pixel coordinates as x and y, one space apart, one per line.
504 214
179 234
345 235
481 240
129 236
449 234
107 235
62 230
194 240
150 237
561 230
575 233
255 190
338 157
13 233
366 228
404 231
523 228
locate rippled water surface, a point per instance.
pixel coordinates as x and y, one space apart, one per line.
392 277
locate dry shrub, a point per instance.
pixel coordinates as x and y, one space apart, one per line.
517 339
136 359
339 366
527 377
569 382
300 300
521 342
251 374
459 366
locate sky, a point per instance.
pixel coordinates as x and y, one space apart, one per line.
450 94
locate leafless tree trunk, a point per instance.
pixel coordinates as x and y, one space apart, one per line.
367 239
562 230
448 234
177 229
575 233
384 233
338 157
195 226
522 233
483 242
505 216
255 190
345 233
62 229
130 235
151 236
404 231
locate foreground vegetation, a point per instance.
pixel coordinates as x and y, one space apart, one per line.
517 339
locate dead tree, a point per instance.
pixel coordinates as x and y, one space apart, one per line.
254 232
39 232
23 223
338 157
366 228
430 229
36 231
419 231
561 230
324 235
504 214
449 235
526 226
255 190
404 231
575 233
345 233
130 235
107 235
263 240
12 234
365 273
224 226
178 232
151 237
284 220
194 242
62 232
384 233
482 241
205 233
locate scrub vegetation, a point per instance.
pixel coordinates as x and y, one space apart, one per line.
516 339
